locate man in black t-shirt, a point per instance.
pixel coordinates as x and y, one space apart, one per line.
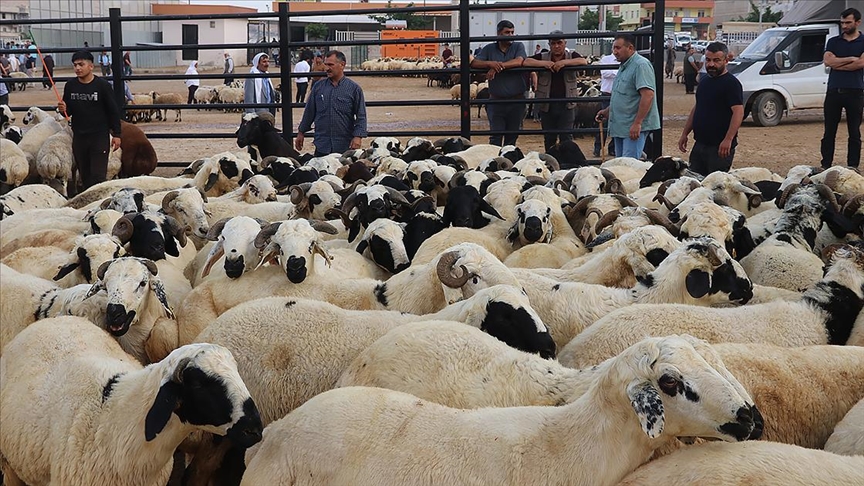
844 54
89 100
716 117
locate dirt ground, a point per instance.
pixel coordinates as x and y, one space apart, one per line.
795 141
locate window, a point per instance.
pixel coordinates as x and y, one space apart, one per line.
190 36
212 24
700 13
670 13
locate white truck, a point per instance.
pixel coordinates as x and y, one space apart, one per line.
782 70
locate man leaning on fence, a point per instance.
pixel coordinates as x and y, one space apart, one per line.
556 82
503 85
337 109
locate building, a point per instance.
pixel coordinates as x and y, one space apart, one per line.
527 21
215 31
95 34
692 16
732 10
13 10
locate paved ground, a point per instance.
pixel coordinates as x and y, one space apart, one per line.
795 141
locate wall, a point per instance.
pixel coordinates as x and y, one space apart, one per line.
224 31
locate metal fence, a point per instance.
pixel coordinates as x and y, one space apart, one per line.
285 44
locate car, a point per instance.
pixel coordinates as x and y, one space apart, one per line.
700 45
682 39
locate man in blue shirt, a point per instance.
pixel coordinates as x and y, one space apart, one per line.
716 116
632 111
844 54
337 108
498 57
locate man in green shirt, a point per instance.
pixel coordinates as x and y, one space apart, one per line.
632 112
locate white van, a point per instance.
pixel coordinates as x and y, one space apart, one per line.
782 70
681 40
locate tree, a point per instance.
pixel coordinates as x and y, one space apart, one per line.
317 31
768 16
412 20
590 20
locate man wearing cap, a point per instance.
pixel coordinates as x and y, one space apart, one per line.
497 58
556 82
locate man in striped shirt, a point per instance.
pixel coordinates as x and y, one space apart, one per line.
337 109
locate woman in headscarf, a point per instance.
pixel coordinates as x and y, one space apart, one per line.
192 83
259 90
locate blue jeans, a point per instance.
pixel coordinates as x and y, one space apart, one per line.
624 147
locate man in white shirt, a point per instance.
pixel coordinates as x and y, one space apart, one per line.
302 82
607 77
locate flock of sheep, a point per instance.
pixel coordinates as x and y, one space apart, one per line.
435 313
223 93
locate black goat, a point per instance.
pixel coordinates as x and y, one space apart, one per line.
465 207
258 130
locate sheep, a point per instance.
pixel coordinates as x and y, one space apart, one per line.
231 95
206 94
67 268
842 180
144 114
419 289
7 118
32 196
848 436
12 133
382 242
22 85
25 223
698 273
738 193
631 257
824 315
749 463
35 137
665 168
316 341
54 160
258 130
137 155
474 155
314 199
20 297
256 189
235 241
98 399
325 427
14 166
721 223
187 206
167 99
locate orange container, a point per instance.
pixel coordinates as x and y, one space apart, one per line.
409 50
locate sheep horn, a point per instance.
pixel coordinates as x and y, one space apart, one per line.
754 194
551 162
625 201
335 186
100 272
828 194
166 201
334 213
582 204
568 178
662 200
460 162
503 163
536 180
298 192
397 196
664 186
263 236
607 174
422 199
606 220
712 256
346 192
266 161
151 266
560 184
781 201
323 227
657 218
445 263
832 179
123 229
216 230
105 203
456 177
491 175
177 231
853 205
177 376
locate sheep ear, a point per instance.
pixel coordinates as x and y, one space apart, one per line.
648 406
139 201
698 283
159 291
211 181
215 254
488 209
354 230
361 247
245 175
94 289
513 234
161 410
65 270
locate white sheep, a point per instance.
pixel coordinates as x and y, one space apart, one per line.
234 244
35 137
753 462
54 160
30 196
67 268
842 180
456 274
824 315
20 297
848 436
485 441
699 273
101 404
14 166
316 341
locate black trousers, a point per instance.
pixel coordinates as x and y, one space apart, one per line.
557 117
301 92
505 117
835 102
192 90
91 158
704 159
690 83
4 99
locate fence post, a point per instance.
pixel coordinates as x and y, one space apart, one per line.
465 69
285 71
658 51
115 29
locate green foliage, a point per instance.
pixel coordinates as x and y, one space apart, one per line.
590 20
412 21
317 31
768 17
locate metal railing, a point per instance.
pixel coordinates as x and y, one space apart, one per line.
285 44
